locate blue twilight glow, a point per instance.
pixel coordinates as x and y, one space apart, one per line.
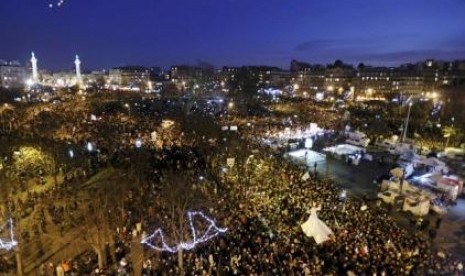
230 32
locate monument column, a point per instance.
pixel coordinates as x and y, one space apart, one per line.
77 62
35 72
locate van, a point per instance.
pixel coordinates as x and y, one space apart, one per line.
357 138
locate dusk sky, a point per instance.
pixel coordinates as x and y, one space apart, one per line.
107 33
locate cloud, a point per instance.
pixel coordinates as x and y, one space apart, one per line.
455 41
413 55
316 44
354 44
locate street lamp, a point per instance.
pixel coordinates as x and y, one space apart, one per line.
343 194
343 197
129 109
90 147
138 144
230 107
369 91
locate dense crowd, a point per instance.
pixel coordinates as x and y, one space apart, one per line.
265 238
261 199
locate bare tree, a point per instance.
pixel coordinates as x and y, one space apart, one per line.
96 228
179 196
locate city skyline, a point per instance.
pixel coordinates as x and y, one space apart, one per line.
231 33
71 67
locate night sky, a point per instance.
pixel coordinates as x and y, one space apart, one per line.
108 33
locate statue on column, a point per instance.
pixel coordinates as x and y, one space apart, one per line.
77 62
35 72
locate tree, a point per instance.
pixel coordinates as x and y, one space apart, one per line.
169 90
338 63
179 197
448 132
100 81
31 160
6 112
8 95
96 230
9 242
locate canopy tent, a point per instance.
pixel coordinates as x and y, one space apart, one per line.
309 156
316 228
344 149
434 163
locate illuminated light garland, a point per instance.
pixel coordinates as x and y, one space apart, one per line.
211 232
5 244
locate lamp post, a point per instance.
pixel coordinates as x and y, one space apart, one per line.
90 148
407 121
129 109
138 145
343 197
230 107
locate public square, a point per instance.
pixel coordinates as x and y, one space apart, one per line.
232 137
143 164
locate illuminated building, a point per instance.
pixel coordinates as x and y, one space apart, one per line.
12 74
129 77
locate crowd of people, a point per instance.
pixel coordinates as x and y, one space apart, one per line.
265 236
260 197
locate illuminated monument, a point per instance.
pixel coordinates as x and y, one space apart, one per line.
35 72
77 62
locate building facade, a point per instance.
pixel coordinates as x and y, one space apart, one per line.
368 81
13 75
129 77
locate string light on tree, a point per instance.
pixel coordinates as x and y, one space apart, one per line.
10 242
212 231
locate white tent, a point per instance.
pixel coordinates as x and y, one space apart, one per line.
316 228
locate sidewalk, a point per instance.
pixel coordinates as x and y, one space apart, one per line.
54 249
52 246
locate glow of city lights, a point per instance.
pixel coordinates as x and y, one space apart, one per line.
11 243
212 231
29 82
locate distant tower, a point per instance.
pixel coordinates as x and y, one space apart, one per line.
35 73
78 70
